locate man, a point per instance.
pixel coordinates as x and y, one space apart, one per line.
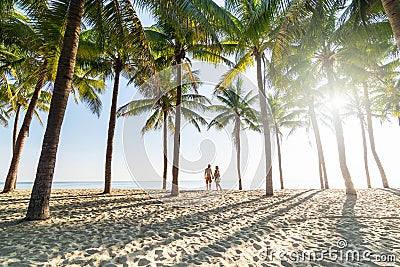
209 176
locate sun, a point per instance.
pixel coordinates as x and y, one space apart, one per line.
338 102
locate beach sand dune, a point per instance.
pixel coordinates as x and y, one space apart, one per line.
232 228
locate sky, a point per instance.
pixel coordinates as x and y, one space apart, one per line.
82 146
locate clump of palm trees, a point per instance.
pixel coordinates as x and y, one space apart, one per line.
304 55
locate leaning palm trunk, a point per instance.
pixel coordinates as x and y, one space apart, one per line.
177 133
39 208
392 10
11 179
165 132
339 135
237 142
372 139
321 157
278 143
269 189
15 130
111 130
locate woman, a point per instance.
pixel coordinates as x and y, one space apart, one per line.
217 178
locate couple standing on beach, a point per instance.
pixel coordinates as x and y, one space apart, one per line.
209 176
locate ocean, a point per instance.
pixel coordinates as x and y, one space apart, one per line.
183 185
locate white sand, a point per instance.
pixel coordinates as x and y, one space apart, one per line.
129 228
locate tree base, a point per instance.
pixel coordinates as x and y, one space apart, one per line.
351 191
174 190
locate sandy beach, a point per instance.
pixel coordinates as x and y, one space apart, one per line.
132 228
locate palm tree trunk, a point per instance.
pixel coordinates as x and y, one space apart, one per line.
364 139
269 189
39 208
372 138
177 133
15 133
278 143
237 141
165 144
339 134
321 178
111 129
15 129
321 157
392 10
11 179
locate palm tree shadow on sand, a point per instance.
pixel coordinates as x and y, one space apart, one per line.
352 248
391 190
241 236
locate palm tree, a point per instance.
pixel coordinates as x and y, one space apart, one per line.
17 32
161 110
262 35
356 107
40 40
321 40
39 202
186 27
366 57
283 116
121 50
303 86
115 46
371 136
236 107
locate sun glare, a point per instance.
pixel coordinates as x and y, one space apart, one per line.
338 102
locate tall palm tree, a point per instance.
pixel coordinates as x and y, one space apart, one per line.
115 46
302 85
262 35
321 40
186 26
125 42
366 57
39 202
236 108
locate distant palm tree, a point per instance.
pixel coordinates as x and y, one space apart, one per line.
284 115
159 100
236 108
355 107
161 110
